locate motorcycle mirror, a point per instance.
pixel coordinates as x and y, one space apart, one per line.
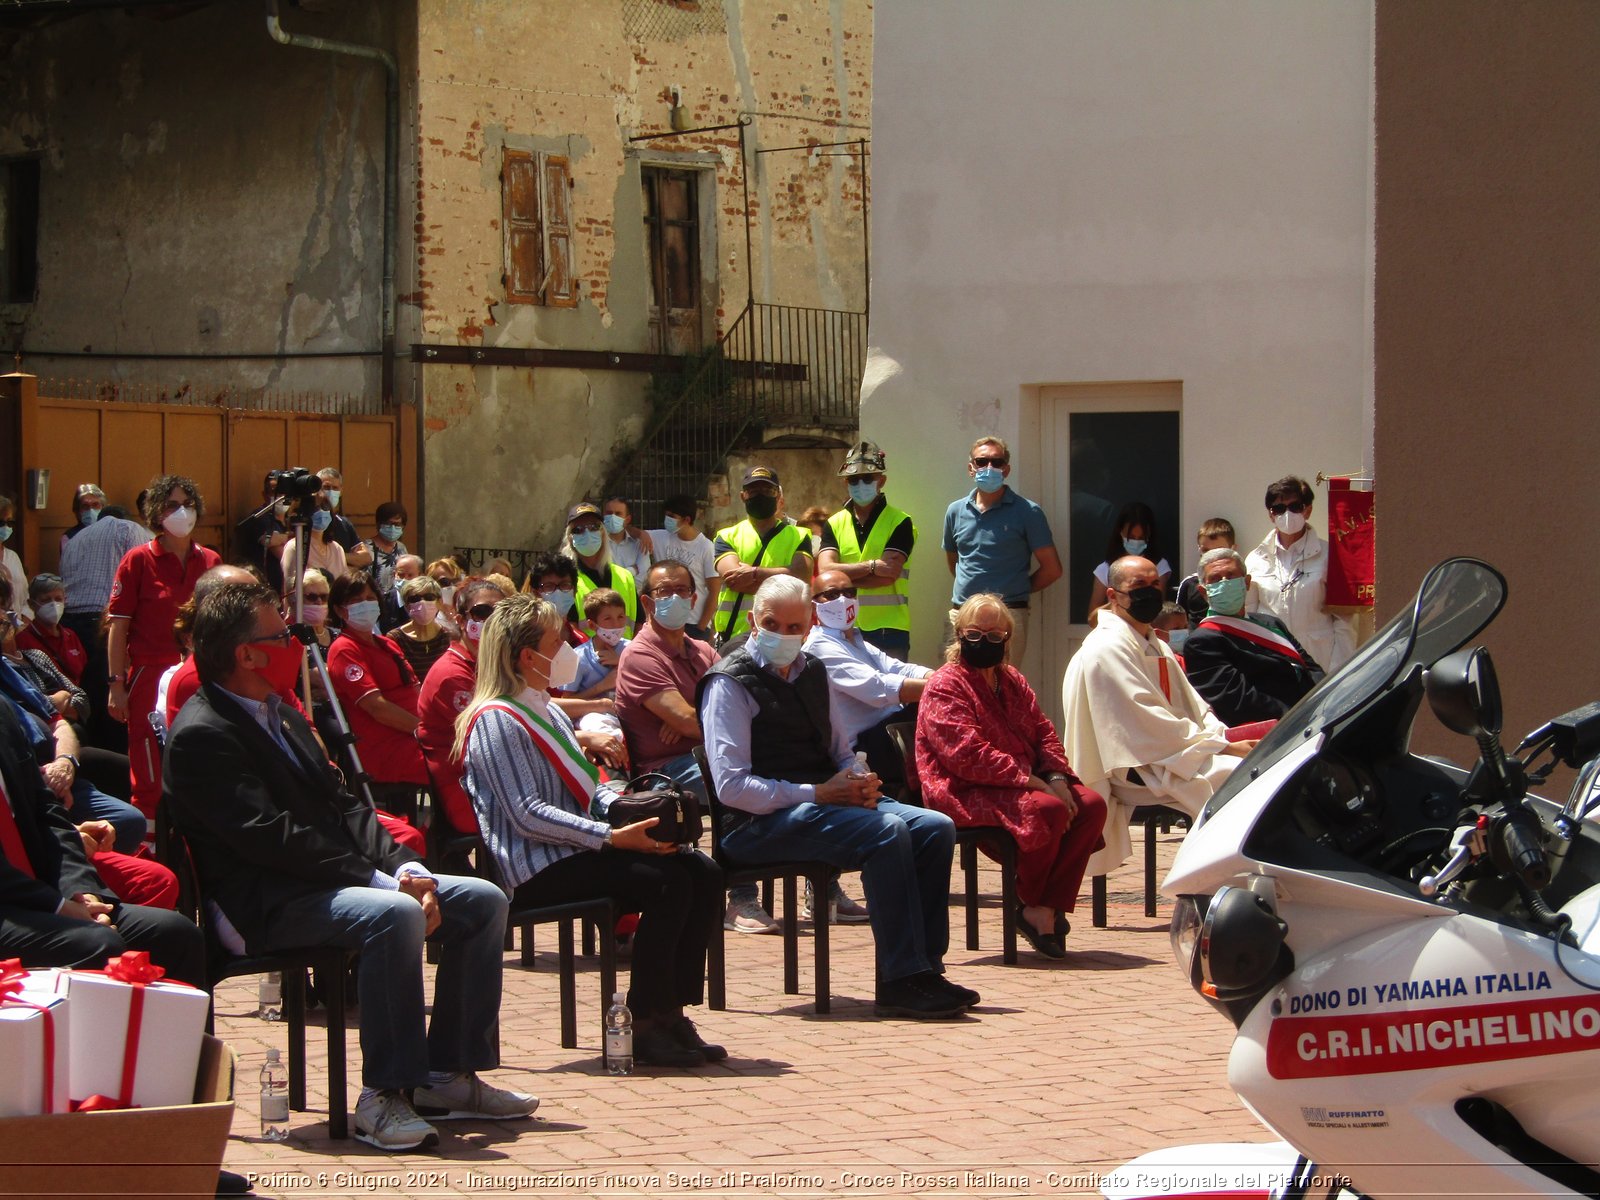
1239 940
1464 692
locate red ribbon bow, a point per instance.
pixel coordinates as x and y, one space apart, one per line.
135 967
12 973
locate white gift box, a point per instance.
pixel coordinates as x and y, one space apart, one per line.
23 1050
172 1021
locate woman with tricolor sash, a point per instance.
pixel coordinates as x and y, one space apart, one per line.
532 790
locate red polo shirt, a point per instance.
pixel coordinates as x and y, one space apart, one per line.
359 669
149 587
63 647
445 693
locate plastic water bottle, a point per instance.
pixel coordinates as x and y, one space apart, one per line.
274 1099
861 764
619 1037
269 997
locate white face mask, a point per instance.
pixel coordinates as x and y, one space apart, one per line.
447 594
474 631
610 636
563 667
180 522
50 613
838 613
1290 522
362 615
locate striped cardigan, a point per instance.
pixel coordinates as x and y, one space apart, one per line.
529 818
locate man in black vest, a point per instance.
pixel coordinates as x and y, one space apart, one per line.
792 789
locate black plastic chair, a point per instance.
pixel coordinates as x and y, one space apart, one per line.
330 963
1156 818
819 874
995 840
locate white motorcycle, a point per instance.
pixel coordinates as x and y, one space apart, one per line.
1410 951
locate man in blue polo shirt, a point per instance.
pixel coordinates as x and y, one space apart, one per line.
992 537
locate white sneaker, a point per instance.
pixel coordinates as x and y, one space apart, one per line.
845 910
467 1097
747 916
385 1120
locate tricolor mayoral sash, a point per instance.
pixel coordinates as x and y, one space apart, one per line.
1254 633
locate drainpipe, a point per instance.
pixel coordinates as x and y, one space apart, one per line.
391 189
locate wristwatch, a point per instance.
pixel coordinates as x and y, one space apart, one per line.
71 758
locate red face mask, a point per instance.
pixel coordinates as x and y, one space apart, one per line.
282 671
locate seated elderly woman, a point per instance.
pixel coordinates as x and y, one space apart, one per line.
422 638
532 789
987 755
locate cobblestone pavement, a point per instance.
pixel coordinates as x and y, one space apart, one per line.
1065 1071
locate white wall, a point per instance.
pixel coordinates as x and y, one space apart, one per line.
1119 190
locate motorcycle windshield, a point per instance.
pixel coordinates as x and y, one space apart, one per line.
1456 600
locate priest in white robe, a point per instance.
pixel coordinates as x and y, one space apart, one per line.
1134 728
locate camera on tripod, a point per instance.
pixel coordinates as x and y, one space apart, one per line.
294 483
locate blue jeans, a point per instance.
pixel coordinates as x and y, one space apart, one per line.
91 804
398 1047
904 856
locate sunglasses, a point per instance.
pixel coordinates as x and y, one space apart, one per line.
316 597
989 462
1278 510
978 635
480 612
849 593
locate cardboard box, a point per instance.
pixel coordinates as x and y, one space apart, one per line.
173 1151
22 1050
174 1020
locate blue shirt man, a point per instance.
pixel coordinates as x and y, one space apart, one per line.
993 535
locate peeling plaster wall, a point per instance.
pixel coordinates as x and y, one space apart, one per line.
566 78
204 190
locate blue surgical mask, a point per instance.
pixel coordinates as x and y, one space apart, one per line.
321 519
333 497
779 649
563 598
1176 638
1226 596
588 543
5 533
1135 545
614 523
989 479
673 612
863 491
391 533
362 615
88 516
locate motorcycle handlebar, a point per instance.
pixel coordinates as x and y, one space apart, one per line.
1525 855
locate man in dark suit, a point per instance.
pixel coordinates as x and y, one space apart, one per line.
291 857
55 911
1248 667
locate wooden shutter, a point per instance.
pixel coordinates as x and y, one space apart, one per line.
519 197
555 200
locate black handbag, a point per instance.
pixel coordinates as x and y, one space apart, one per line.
658 795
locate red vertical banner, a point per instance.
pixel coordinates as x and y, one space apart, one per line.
1352 570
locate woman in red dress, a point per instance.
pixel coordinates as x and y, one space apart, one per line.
987 755
378 691
151 584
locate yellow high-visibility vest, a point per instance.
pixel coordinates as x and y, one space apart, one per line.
746 543
881 607
622 583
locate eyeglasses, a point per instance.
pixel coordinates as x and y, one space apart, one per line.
989 462
282 639
316 597
545 589
1278 510
172 506
480 612
997 636
667 591
849 593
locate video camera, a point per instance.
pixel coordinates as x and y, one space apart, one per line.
294 483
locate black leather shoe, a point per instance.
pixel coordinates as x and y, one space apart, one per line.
1048 944
689 1037
658 1047
965 995
922 997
